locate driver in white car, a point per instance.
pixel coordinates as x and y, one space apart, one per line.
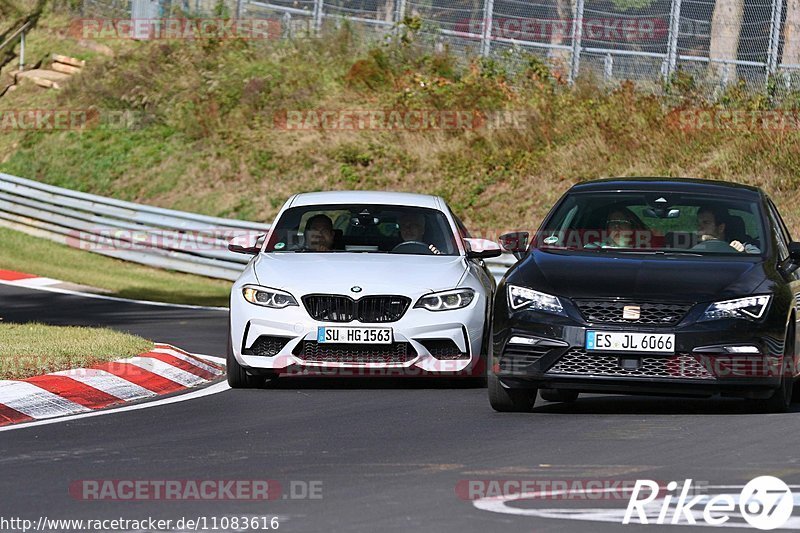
412 228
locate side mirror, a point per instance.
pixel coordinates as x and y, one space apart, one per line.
515 242
794 252
482 248
247 244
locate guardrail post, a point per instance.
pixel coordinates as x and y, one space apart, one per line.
577 37
22 51
774 37
318 13
672 39
486 37
286 20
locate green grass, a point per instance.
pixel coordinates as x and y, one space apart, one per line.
32 255
32 349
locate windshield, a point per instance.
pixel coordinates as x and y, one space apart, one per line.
655 222
363 228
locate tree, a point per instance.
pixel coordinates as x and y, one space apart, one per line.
791 34
726 28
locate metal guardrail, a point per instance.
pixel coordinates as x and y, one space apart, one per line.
152 236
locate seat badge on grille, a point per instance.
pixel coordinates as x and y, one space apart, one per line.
355 289
631 312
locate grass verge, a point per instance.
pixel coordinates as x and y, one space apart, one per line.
32 255
32 349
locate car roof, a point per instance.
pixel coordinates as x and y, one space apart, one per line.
688 185
367 197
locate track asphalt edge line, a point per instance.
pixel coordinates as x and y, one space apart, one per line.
30 281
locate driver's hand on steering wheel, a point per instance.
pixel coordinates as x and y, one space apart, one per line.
704 238
436 251
738 246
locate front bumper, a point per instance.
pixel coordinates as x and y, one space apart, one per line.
700 366
413 352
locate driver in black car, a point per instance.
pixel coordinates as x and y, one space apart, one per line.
412 229
711 226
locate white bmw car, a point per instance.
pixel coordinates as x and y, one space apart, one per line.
361 283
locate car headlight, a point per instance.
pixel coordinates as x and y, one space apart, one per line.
750 308
446 300
519 297
267 297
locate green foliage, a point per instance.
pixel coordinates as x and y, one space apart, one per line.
625 5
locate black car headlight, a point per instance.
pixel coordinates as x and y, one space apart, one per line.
446 300
266 297
523 297
750 308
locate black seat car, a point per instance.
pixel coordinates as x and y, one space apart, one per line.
652 286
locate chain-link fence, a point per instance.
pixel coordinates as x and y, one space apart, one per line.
756 42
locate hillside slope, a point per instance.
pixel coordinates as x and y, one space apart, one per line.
212 127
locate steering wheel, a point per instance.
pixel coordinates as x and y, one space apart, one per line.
412 247
713 245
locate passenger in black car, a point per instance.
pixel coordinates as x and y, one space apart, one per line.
620 228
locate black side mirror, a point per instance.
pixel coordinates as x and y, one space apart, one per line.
794 252
515 242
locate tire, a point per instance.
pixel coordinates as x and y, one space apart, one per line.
781 399
505 400
238 378
558 395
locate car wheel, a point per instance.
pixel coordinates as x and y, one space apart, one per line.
506 400
557 395
238 378
781 399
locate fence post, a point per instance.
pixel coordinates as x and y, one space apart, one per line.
318 4
608 68
401 11
400 16
486 38
672 39
577 37
774 37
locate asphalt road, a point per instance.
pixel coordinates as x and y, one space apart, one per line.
388 456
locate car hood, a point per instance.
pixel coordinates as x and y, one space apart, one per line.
337 273
666 278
